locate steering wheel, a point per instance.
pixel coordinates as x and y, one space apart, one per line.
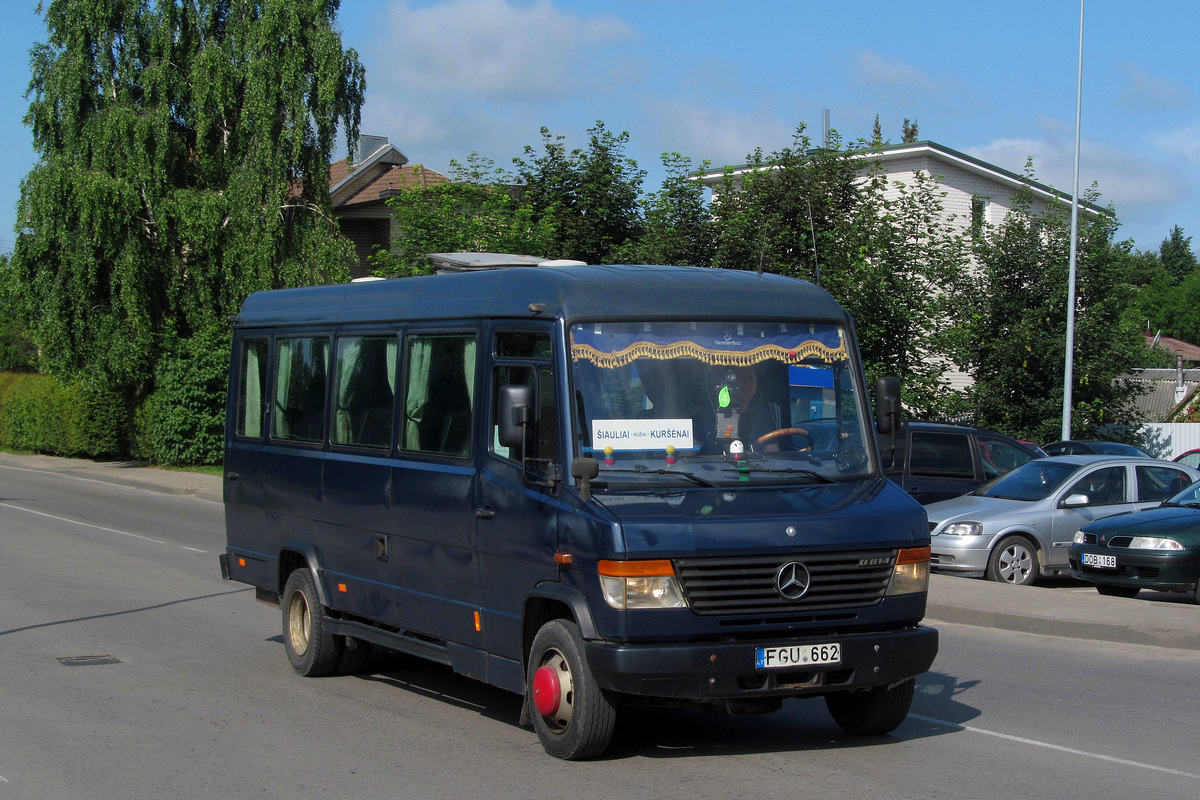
767 437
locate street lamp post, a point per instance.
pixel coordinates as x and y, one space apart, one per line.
1069 368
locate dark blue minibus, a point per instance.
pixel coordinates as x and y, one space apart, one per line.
590 485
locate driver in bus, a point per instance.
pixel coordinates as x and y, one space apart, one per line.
739 410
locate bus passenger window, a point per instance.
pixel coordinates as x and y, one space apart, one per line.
301 367
364 391
439 394
252 384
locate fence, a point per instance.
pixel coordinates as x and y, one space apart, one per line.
1169 439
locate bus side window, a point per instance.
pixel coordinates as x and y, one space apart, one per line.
251 388
364 391
301 368
439 394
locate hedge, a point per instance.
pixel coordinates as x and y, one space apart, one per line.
180 424
42 415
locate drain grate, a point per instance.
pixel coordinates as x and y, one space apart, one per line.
87 661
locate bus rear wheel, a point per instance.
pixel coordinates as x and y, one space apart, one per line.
574 718
311 648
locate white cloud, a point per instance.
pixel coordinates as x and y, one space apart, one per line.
872 70
1150 92
718 135
1181 143
491 49
1125 180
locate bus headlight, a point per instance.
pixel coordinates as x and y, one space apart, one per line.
911 573
640 584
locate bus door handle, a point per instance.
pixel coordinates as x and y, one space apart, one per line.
233 476
485 513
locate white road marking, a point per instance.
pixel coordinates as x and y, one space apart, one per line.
196 550
86 524
1060 748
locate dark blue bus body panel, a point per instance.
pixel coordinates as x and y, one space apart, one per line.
357 509
433 526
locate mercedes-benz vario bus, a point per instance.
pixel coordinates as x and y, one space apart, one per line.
593 486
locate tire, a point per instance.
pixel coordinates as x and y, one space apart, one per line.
1117 591
311 649
874 712
1014 561
574 718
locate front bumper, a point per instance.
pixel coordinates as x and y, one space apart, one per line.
961 555
726 670
1168 571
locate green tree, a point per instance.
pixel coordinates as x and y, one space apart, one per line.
17 352
1014 343
1176 254
478 211
591 196
678 225
904 287
886 253
1168 284
184 150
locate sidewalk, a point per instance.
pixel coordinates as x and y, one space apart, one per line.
1059 608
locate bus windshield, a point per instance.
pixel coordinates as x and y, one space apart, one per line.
723 403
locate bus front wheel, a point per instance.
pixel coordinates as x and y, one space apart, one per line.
574 718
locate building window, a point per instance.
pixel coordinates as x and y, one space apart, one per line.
978 215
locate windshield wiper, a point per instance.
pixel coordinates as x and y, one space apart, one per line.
790 471
644 470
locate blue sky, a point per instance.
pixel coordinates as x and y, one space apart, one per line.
714 79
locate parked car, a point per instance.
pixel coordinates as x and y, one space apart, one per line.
1072 447
1158 548
1022 524
1191 458
937 461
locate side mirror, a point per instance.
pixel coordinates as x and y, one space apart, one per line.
887 405
514 414
1075 501
583 470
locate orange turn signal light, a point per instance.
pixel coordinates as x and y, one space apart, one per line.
635 569
913 555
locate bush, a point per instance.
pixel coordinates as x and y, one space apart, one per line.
42 415
183 421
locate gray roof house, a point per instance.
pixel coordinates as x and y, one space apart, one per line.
360 192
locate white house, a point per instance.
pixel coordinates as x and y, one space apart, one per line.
976 192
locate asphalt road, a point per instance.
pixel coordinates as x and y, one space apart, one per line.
129 669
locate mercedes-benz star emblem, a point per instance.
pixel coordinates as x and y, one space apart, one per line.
792 580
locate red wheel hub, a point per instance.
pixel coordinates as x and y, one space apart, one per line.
547 691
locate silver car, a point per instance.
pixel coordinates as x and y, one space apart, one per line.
1021 524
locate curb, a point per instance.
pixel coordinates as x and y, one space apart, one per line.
1116 632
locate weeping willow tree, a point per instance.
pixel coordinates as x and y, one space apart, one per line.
184 150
